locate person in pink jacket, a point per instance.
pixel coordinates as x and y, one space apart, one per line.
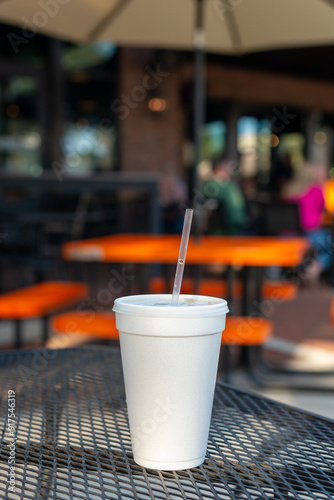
306 189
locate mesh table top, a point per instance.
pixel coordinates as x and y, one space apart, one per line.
70 437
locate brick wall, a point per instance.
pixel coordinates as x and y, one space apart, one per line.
150 142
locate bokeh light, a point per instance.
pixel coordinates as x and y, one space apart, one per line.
157 104
320 137
274 140
13 110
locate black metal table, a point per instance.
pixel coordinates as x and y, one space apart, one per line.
66 428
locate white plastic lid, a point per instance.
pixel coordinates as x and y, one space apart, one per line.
159 305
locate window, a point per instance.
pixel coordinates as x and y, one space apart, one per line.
20 134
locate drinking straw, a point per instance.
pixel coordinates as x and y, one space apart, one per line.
182 256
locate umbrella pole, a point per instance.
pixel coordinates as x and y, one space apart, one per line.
199 99
199 117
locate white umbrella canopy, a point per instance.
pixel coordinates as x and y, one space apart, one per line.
231 26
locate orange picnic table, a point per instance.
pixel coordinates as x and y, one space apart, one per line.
252 252
156 248
248 251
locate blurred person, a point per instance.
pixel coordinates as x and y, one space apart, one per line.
306 189
281 175
254 199
173 194
249 188
232 206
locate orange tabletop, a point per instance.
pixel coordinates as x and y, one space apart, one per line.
329 195
150 248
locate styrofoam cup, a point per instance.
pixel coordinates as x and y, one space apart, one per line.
170 359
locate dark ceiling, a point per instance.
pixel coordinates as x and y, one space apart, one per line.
314 62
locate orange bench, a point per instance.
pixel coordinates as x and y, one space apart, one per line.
240 330
245 331
214 287
82 326
86 323
39 301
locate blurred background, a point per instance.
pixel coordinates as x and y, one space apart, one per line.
76 111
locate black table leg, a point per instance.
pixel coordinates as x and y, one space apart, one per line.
18 331
230 278
226 363
197 274
45 329
246 301
251 306
143 275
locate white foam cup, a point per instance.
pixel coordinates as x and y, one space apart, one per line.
170 359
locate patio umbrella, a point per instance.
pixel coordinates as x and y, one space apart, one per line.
230 26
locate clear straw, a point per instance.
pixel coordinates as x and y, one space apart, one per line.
182 256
